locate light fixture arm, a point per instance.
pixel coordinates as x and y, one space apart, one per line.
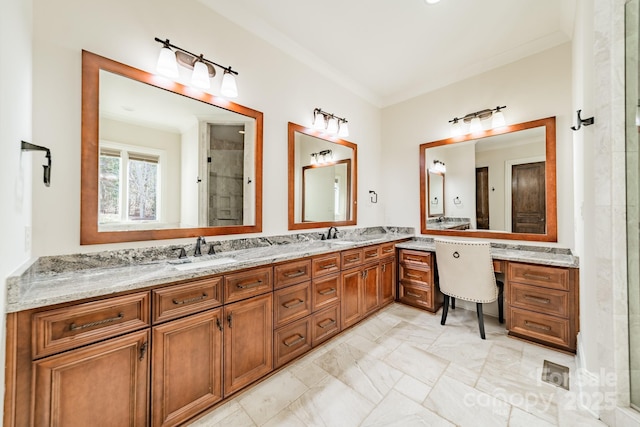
200 57
482 114
330 115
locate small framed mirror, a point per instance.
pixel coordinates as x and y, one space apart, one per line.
322 179
161 160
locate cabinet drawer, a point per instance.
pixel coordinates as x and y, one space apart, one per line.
325 324
418 296
247 284
325 264
387 249
540 327
550 277
291 273
291 341
415 275
61 329
291 303
417 258
180 300
325 291
352 258
371 253
549 301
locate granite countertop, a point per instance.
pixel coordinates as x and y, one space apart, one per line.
543 255
39 286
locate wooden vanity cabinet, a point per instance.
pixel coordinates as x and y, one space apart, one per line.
387 291
417 285
543 304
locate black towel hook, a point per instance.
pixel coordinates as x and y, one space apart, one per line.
582 121
27 146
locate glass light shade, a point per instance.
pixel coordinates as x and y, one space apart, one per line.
167 65
200 76
475 125
456 128
318 122
332 126
229 89
498 120
313 160
344 130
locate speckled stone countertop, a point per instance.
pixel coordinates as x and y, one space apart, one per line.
58 279
54 280
445 223
543 255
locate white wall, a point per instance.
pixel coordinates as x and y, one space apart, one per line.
269 81
536 87
15 125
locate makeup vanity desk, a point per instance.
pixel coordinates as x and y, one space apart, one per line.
541 288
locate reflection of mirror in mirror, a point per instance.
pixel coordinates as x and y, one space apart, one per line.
436 194
501 182
161 160
325 191
322 179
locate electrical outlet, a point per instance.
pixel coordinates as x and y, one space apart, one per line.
27 238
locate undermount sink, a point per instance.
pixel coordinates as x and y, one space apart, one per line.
202 264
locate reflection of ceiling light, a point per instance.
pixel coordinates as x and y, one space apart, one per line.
474 121
203 69
330 123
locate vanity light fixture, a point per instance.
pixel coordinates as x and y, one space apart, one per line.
438 167
475 120
330 123
321 157
203 69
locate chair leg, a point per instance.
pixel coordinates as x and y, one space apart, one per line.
445 308
480 319
500 302
453 303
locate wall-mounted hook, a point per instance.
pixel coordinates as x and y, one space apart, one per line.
249 181
457 201
581 121
27 146
374 196
434 201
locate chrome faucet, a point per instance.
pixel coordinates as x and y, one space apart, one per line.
335 233
199 242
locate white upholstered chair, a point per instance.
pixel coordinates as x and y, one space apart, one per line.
466 272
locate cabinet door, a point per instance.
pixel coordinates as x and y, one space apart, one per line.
187 367
387 281
248 342
370 287
351 297
102 384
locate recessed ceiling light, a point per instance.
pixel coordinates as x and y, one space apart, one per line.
432 1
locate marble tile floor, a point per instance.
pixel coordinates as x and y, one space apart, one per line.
400 367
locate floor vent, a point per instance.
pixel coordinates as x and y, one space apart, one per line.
555 374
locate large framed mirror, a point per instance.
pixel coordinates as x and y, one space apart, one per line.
161 160
322 179
501 183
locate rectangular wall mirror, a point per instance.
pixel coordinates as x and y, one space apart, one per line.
322 180
500 183
161 160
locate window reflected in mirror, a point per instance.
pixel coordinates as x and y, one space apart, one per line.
500 183
322 179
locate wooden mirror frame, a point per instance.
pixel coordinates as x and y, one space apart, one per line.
550 184
292 129
89 232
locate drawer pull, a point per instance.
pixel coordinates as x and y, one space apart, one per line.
353 259
218 324
384 268
74 327
537 299
371 255
536 276
293 303
328 266
537 326
327 323
388 250
295 274
250 285
190 300
294 342
414 276
327 291
143 350
411 294
413 259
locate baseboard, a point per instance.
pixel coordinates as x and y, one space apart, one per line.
587 383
